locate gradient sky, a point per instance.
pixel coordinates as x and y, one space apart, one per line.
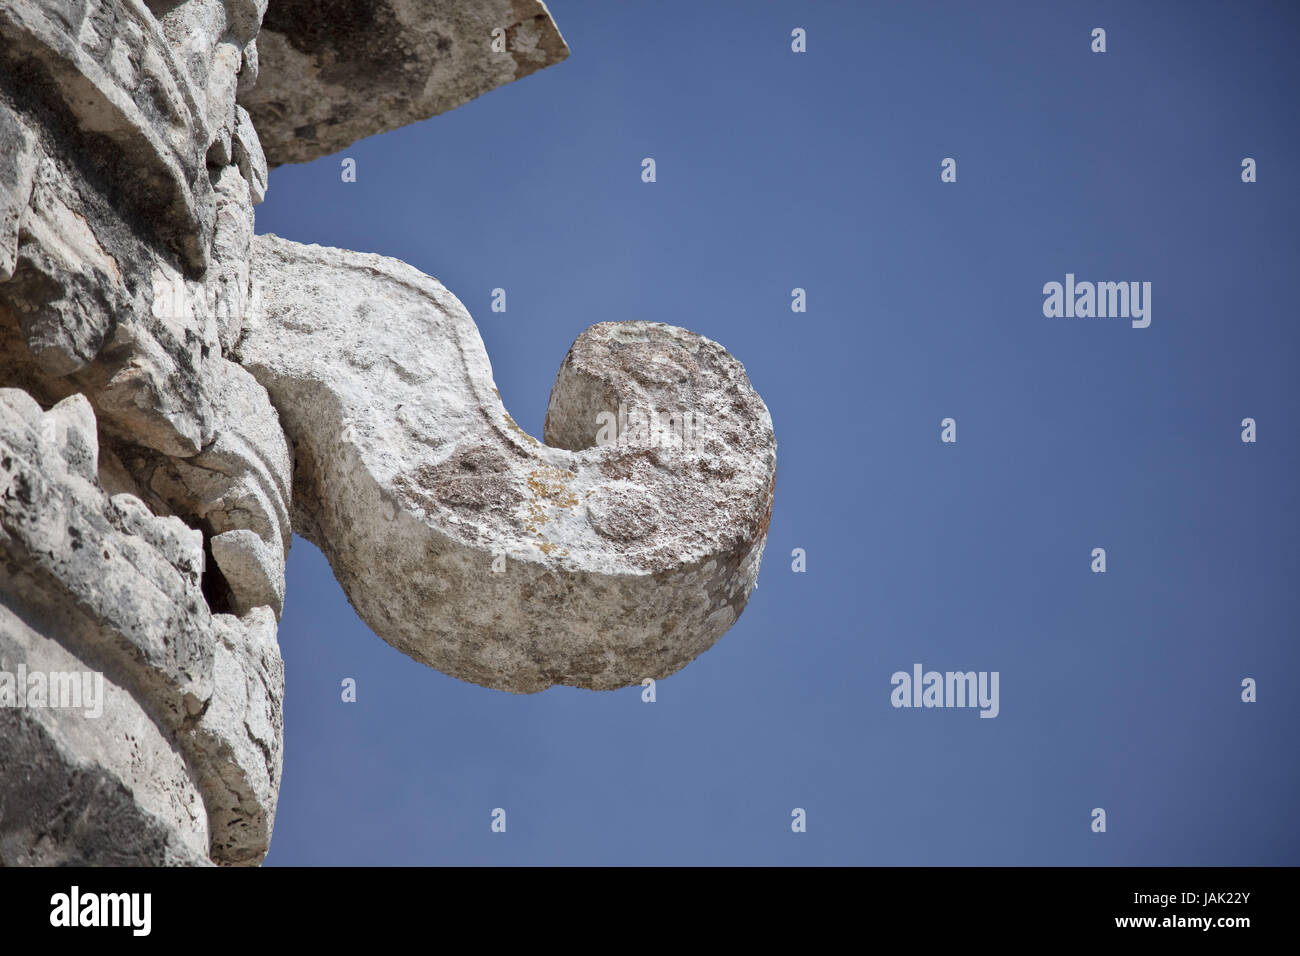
821 170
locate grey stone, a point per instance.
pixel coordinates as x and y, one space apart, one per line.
108 63
150 483
81 790
238 489
617 562
248 67
333 72
248 154
110 583
144 517
17 174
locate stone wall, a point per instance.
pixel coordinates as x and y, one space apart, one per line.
177 396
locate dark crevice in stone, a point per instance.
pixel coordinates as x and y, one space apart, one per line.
216 589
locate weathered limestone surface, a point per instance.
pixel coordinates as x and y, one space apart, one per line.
620 562
144 515
103 584
333 71
82 792
178 396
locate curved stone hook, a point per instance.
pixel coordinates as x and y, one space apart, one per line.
619 550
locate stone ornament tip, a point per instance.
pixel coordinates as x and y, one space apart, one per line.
620 549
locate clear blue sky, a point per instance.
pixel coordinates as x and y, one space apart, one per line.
775 170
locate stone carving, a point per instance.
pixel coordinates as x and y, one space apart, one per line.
614 563
172 408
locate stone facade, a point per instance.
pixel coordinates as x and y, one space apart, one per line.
178 396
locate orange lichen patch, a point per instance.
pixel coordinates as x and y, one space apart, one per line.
549 488
550 485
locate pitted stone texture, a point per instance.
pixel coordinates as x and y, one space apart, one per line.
240 735
208 39
109 65
119 589
91 307
62 539
65 288
617 562
334 71
237 489
247 153
82 788
127 181
227 280
17 174
123 255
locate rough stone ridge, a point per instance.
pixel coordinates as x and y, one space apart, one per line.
145 515
178 396
333 71
104 585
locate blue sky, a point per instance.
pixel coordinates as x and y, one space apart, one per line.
821 170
